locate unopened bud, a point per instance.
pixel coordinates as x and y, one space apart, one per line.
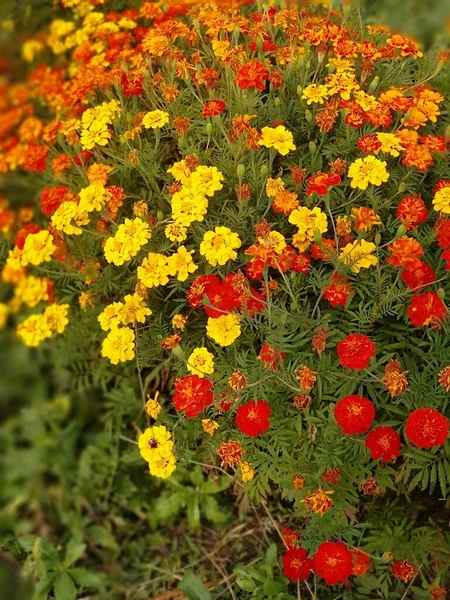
181 143
312 147
240 171
160 215
209 128
277 101
299 91
308 116
378 239
447 133
374 84
264 170
401 231
441 293
317 236
401 187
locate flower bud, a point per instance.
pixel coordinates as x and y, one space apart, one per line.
312 147
401 231
441 293
378 239
308 116
374 84
181 143
240 171
299 91
317 236
277 101
209 128
178 351
160 215
401 187
447 133
140 209
387 556
264 170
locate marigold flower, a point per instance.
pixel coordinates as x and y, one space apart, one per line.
237 381
38 248
193 394
360 562
252 75
367 170
333 561
331 475
247 471
355 351
212 108
427 309
181 263
230 453
369 487
56 317
403 570
155 119
441 200
163 465
296 564
200 362
315 93
406 252
34 330
365 218
359 255
153 407
412 211
438 593
444 378
270 357
133 310
153 270
219 246
298 482
394 378
354 414
118 345
306 377
154 442
321 182
426 428
383 443
209 426
277 137
252 418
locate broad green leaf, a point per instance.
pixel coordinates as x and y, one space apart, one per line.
194 587
271 555
64 587
74 551
102 537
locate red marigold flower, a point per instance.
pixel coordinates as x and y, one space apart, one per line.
296 564
35 158
446 256
181 125
193 394
132 84
252 418
418 156
23 233
325 250
319 502
301 401
406 252
383 443
270 357
222 297
355 351
442 183
418 278
333 561
369 487
212 108
332 475
360 561
427 309
438 593
338 291
443 233
319 341
290 537
52 198
369 144
403 570
301 263
199 288
231 453
255 269
434 143
252 75
411 211
321 182
354 414
306 377
426 427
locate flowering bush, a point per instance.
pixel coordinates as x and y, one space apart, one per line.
247 212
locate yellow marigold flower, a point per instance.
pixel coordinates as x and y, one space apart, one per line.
209 426
179 322
116 250
135 233
97 134
318 502
275 240
118 345
365 218
301 241
200 362
140 209
93 197
163 466
219 246
277 137
133 310
343 84
32 290
224 330
98 173
30 49
85 300
153 407
156 45
247 471
175 232
153 270
367 170
154 442
64 215
441 200
4 312
206 180
390 143
38 248
315 92
181 264
180 171
111 316
188 206
274 187
359 255
309 220
56 315
34 330
155 119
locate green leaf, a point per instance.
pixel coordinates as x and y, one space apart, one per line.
273 587
102 537
86 578
193 512
64 587
271 555
74 551
194 588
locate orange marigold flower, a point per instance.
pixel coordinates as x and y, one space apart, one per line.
171 341
237 381
438 593
365 218
406 252
403 570
301 401
298 482
369 487
318 502
285 202
181 125
306 376
332 475
231 453
444 378
252 75
418 156
394 378
319 341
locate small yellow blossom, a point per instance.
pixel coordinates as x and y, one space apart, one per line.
153 407
155 441
34 330
200 362
224 329
111 316
441 200
309 221
209 426
153 270
56 316
97 134
390 143
163 466
277 137
175 232
93 197
38 248
367 170
315 93
133 310
359 255
155 119
180 264
219 246
179 322
247 471
67 218
118 345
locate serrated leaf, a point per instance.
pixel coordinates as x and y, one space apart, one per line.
64 587
194 587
